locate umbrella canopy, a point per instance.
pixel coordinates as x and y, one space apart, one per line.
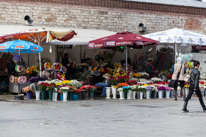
178 36
120 39
39 35
20 46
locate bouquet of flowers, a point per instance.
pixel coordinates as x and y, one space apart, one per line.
133 87
144 75
187 86
33 79
42 86
126 88
155 79
136 75
120 85
57 66
168 88
48 66
85 88
93 88
75 84
27 89
131 82
142 88
77 91
120 89
113 81
71 88
149 88
66 82
161 88
64 89
50 87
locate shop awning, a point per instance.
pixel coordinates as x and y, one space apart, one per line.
82 38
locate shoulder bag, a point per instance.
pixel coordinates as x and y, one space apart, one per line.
173 83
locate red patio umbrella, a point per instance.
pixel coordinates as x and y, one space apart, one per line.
126 38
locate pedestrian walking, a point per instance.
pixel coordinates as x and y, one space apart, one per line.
194 86
176 68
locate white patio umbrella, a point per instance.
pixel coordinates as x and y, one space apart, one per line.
178 36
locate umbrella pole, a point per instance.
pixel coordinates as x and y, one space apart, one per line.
126 60
39 44
175 51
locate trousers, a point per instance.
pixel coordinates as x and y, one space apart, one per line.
191 90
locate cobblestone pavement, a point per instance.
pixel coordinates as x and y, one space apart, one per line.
104 118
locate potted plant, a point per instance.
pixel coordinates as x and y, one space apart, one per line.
133 89
65 91
126 90
160 91
29 92
50 89
168 89
42 88
120 89
148 92
91 92
75 94
70 93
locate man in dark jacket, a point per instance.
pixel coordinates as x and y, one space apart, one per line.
65 62
98 80
194 86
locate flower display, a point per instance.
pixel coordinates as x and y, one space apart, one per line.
64 89
71 88
142 88
113 81
59 83
133 87
42 86
149 88
120 89
48 66
136 75
65 82
50 87
155 79
77 91
93 88
126 88
75 84
85 88
27 89
122 85
168 88
161 88
131 82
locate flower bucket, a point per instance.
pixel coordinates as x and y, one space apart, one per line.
133 94
154 94
129 94
29 95
43 93
114 93
108 90
75 96
125 95
140 95
84 95
37 95
50 95
186 91
172 93
65 96
70 95
167 93
55 94
160 94
148 94
121 94
61 97
91 95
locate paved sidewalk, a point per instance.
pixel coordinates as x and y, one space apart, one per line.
102 118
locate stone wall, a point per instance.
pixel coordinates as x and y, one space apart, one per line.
113 19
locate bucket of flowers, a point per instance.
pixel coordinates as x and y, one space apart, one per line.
29 92
76 93
92 89
160 91
64 90
50 88
142 90
148 92
125 90
168 89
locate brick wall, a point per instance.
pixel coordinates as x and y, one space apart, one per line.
96 14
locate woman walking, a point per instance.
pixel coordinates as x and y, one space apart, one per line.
176 68
194 86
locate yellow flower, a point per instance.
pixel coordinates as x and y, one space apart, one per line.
114 86
95 68
145 85
66 81
59 84
187 86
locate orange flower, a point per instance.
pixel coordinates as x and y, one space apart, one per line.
122 85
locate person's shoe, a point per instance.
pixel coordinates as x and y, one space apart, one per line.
185 107
203 107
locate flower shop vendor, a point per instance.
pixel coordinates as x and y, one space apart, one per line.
98 80
150 69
